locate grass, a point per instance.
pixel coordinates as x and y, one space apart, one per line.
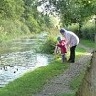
76 82
88 43
80 52
32 82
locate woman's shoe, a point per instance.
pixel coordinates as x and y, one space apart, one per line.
70 61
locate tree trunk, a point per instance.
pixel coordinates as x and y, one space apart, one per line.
95 30
80 32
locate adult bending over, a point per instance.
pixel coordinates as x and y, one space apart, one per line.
72 40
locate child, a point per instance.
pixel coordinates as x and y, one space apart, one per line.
62 45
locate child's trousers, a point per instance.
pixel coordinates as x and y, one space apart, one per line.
63 58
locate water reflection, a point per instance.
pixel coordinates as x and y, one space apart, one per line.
19 57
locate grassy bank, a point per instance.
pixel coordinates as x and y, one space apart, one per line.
88 43
32 82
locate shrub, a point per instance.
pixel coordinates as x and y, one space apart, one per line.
88 31
33 24
11 29
49 46
74 28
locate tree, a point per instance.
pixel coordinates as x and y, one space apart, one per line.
11 8
73 11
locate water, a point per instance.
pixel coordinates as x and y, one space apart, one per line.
20 56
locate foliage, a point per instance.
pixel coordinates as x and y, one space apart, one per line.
88 31
72 11
74 28
11 29
20 16
77 81
48 21
88 43
32 24
11 8
36 21
49 46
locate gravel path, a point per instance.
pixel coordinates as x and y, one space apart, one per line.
61 84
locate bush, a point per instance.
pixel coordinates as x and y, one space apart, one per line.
88 31
11 29
74 27
33 24
49 46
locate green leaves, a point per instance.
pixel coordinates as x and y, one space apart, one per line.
72 11
11 8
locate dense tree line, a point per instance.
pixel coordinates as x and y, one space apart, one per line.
24 16
73 11
19 16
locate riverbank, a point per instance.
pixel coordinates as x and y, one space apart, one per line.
20 56
33 82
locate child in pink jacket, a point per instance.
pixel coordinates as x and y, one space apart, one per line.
63 49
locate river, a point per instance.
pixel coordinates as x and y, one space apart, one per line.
21 56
